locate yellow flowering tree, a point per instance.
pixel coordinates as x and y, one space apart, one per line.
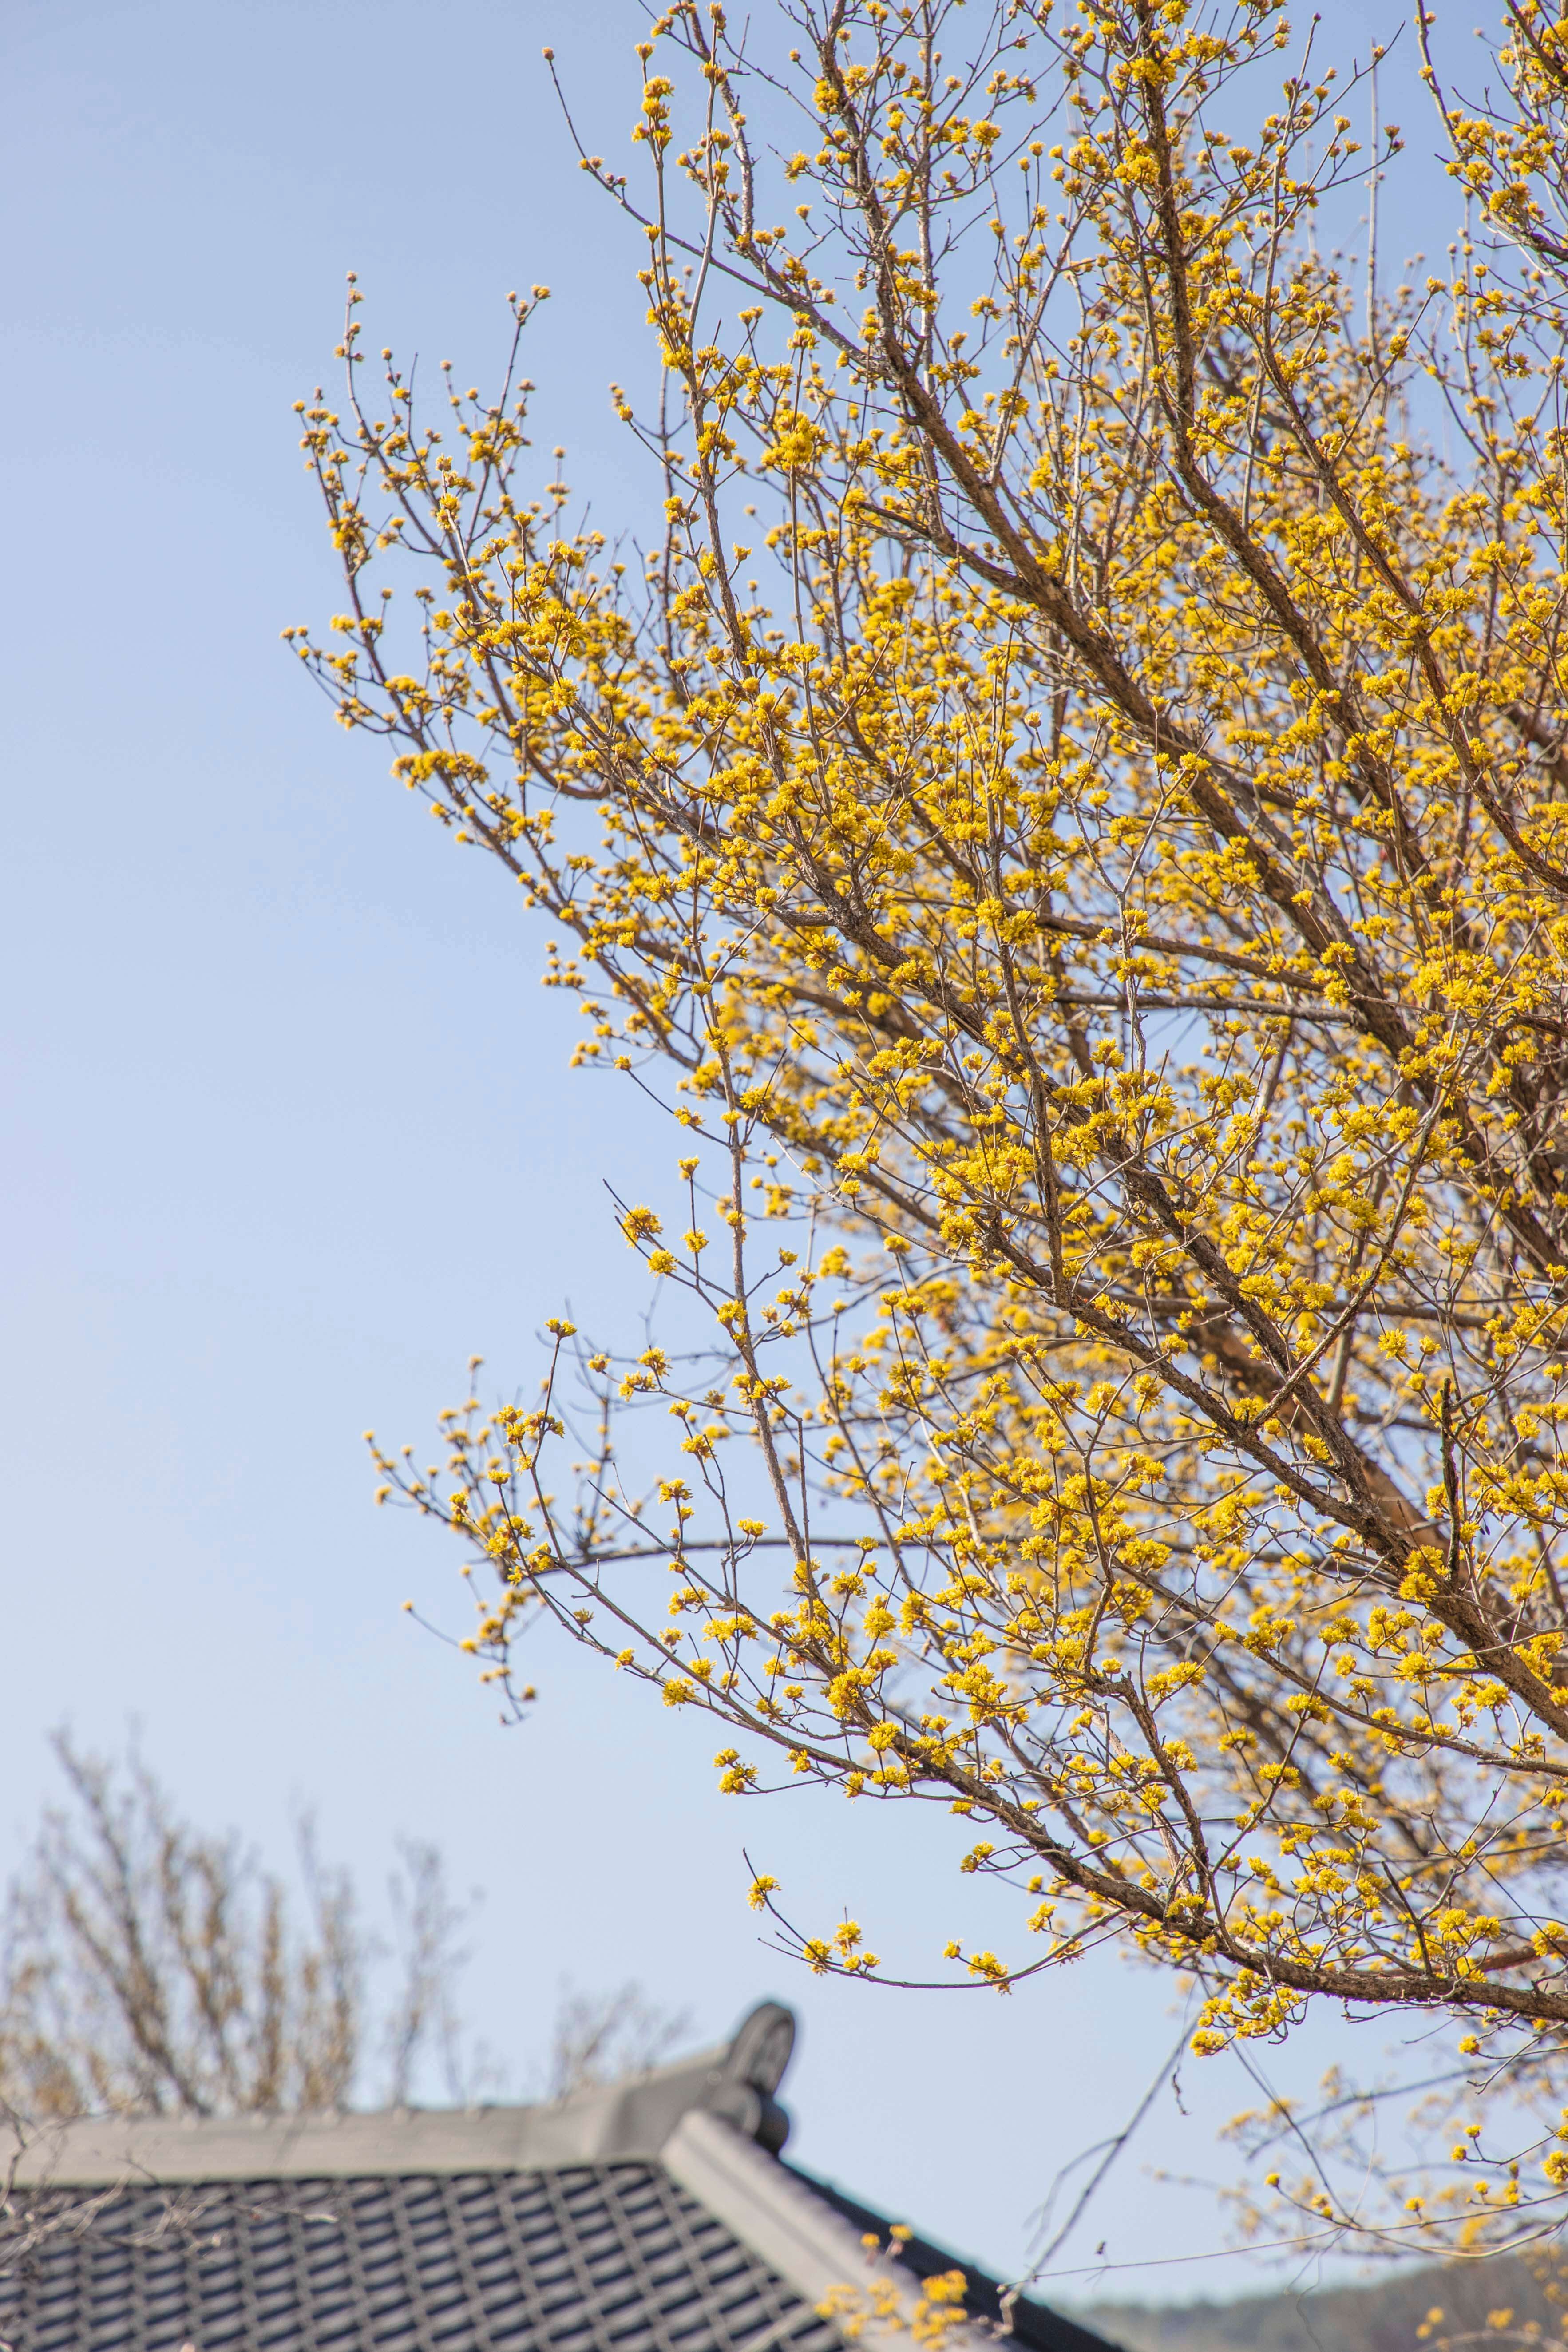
1070 818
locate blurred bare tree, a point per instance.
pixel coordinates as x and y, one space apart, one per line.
149 1966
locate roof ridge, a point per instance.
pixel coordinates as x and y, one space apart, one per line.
622 2122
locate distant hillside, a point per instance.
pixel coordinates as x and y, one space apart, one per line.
1383 2317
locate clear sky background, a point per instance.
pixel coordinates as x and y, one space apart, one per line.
286 1119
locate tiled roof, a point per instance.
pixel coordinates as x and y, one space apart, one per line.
657 2218
565 2261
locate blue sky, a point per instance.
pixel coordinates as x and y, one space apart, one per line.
286 1117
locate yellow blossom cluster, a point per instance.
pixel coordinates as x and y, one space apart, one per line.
1072 819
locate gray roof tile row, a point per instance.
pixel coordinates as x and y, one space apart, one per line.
603 2256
